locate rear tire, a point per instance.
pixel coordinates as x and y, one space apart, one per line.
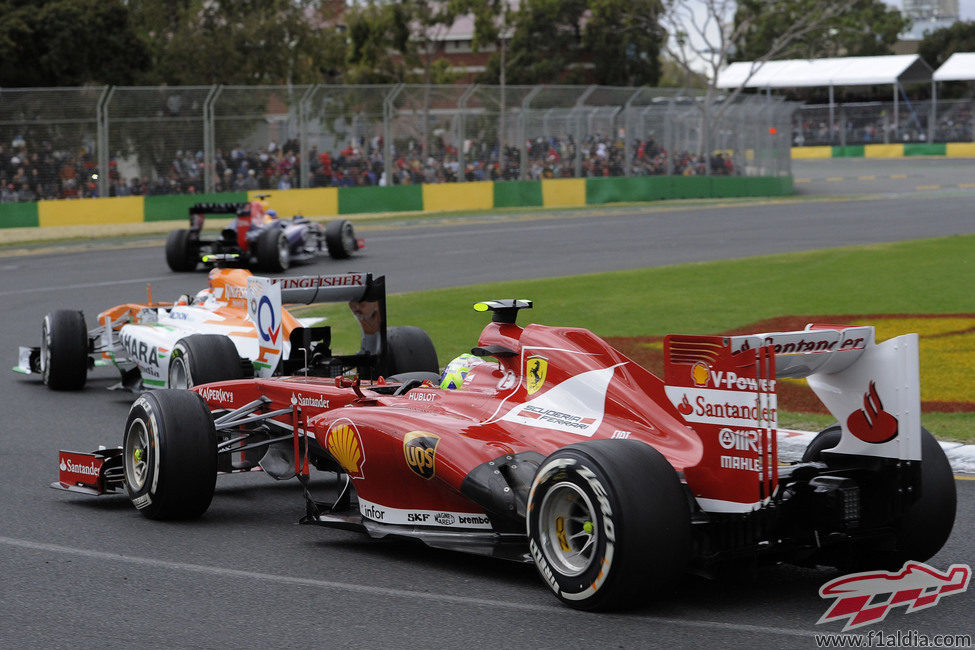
182 251
927 524
64 350
340 239
273 251
203 358
608 524
170 455
409 349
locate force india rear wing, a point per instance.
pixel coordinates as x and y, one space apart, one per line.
725 387
266 295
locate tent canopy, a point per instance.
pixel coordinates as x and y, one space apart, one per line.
840 71
960 66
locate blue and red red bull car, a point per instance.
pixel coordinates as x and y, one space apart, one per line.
257 238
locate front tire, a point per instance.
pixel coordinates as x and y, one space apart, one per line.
182 251
927 524
64 350
340 239
170 455
273 251
203 358
608 524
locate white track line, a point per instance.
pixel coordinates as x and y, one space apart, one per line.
88 285
378 591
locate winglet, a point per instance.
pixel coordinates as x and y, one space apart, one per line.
505 311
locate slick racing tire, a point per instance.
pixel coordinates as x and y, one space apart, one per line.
170 455
340 239
925 527
273 251
64 350
608 524
182 252
410 349
203 358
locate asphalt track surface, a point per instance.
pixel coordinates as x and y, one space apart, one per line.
85 573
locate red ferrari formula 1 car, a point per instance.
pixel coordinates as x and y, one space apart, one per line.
549 446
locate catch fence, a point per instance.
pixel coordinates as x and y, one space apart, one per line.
56 143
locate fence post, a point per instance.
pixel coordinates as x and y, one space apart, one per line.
627 135
388 112
523 130
209 140
461 131
842 125
304 104
101 138
670 136
576 121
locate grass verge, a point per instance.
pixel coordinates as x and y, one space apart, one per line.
931 276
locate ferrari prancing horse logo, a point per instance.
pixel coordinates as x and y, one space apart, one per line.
535 370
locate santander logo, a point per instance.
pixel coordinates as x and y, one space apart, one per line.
300 400
872 423
89 470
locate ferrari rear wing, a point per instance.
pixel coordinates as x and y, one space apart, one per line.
725 388
872 389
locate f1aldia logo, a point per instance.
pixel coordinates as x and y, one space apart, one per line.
866 598
420 450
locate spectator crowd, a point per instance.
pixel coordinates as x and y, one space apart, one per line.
45 173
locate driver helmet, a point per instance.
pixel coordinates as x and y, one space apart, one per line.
270 216
454 372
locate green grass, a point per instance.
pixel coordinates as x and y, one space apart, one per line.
928 276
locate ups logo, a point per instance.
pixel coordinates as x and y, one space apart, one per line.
420 450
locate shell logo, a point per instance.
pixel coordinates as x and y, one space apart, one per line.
699 373
345 445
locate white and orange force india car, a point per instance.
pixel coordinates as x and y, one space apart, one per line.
234 329
557 449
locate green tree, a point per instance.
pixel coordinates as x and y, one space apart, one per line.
937 46
194 42
861 28
623 38
376 30
398 41
68 43
546 42
610 42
